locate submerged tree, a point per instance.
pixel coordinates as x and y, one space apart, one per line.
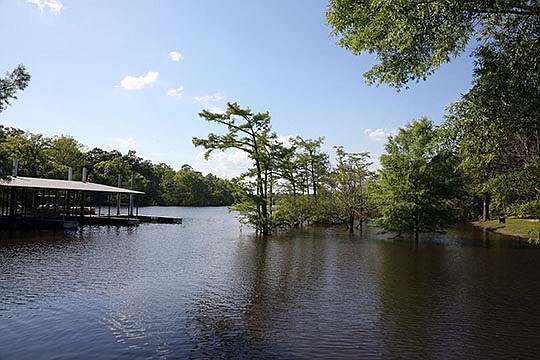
312 161
348 182
250 133
417 183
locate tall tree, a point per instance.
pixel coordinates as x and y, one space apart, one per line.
250 133
496 125
417 183
64 152
348 183
17 80
29 149
312 160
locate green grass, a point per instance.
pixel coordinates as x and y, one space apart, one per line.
523 228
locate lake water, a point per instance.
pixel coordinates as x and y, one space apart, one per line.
209 289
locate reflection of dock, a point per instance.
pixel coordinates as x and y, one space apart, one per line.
29 222
37 223
126 220
160 219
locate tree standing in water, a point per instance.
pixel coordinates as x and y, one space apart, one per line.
348 181
250 133
417 184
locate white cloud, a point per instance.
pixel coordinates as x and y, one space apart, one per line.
379 134
175 56
208 99
177 93
376 159
139 82
53 5
225 164
127 144
286 140
216 110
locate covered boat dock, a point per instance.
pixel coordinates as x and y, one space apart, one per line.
27 202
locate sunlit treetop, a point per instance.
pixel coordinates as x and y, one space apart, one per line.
412 38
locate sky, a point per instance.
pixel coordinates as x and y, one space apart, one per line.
134 75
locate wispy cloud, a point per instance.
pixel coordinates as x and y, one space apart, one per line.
216 109
175 56
176 93
206 100
225 164
139 82
54 5
379 134
127 144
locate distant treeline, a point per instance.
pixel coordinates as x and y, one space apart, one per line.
51 157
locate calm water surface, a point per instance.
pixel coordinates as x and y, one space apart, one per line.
209 289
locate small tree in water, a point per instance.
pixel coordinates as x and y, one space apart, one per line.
417 183
348 182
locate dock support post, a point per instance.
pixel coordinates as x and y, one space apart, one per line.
131 196
82 205
15 169
118 195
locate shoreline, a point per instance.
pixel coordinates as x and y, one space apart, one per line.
518 228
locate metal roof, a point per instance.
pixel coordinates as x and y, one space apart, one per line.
36 183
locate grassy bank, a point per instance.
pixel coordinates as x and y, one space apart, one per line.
523 228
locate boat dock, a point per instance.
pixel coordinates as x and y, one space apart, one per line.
36 203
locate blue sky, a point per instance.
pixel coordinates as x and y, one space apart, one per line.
135 74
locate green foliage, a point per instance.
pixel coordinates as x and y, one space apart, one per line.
40 156
295 211
28 148
191 188
250 133
348 183
17 80
534 233
417 186
310 163
411 39
495 127
62 153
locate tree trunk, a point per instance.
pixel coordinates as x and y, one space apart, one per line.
485 207
314 184
360 225
416 228
351 223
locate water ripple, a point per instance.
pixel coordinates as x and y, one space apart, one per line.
205 290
